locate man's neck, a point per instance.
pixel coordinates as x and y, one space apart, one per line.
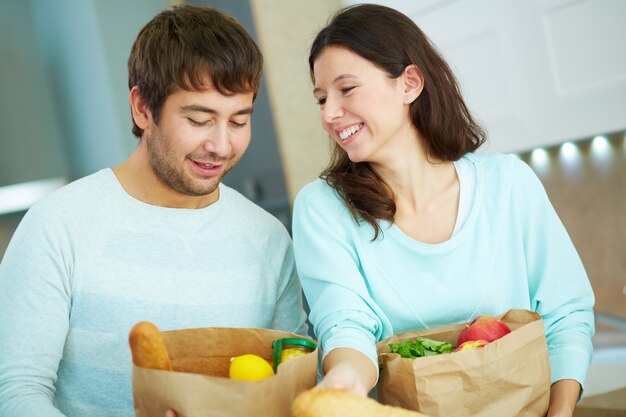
140 182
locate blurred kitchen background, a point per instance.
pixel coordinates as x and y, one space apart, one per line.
546 77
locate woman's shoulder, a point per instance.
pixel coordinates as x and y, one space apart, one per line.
319 199
501 164
318 192
507 175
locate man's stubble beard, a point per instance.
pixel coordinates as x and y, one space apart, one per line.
176 178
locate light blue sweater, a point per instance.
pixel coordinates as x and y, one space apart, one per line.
512 252
89 261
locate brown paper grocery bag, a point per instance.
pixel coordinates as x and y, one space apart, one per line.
199 385
508 377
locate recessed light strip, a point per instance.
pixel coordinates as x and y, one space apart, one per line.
19 197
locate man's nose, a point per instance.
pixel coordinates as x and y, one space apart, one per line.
218 142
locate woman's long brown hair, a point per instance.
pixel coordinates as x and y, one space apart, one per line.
392 41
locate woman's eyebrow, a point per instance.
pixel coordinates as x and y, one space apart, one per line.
336 80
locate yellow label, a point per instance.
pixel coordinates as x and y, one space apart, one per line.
291 353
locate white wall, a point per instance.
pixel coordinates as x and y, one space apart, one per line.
85 45
31 138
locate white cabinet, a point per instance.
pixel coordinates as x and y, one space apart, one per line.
535 72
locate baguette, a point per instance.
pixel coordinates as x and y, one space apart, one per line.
147 347
336 403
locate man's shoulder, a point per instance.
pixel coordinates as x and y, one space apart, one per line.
244 210
85 191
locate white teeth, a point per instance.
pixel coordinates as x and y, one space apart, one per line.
346 133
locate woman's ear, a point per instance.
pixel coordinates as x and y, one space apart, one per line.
139 109
413 83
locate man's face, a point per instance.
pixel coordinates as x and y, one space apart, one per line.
200 136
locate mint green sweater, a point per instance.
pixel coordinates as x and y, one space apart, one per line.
89 261
512 252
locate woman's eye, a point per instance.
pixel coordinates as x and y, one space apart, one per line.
346 90
321 101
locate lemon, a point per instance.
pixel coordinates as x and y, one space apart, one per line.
249 367
290 354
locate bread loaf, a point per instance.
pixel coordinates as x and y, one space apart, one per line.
336 403
147 347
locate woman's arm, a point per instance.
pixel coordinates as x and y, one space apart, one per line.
563 397
558 285
349 370
347 321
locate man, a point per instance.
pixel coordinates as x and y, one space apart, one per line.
156 238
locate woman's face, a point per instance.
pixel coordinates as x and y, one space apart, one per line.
361 108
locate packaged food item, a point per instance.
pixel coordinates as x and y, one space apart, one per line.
289 348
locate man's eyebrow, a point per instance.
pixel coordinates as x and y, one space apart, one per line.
204 109
339 78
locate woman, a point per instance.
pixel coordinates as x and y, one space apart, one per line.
407 228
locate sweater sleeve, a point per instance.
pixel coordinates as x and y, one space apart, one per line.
34 306
559 287
289 314
342 312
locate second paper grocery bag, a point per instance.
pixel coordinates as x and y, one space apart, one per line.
508 377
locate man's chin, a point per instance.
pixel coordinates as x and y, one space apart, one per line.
204 187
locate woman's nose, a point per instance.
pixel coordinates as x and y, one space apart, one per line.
331 111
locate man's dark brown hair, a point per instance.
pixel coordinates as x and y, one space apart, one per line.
181 47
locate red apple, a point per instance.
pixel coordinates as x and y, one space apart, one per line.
471 344
484 327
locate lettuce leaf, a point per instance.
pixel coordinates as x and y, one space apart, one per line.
421 346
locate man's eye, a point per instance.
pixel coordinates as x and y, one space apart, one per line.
197 123
236 124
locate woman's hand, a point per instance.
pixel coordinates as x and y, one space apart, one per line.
563 397
170 413
343 377
348 370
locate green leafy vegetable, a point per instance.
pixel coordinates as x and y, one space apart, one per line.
422 346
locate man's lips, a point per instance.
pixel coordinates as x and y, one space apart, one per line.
207 168
208 164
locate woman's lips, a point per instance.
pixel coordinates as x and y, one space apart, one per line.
347 141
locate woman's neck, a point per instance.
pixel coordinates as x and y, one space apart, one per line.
413 176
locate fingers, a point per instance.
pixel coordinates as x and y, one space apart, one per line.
344 379
170 413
